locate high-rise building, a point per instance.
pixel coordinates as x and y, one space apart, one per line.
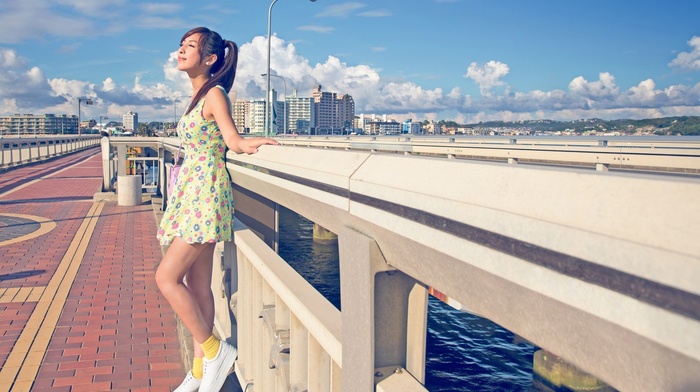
255 117
279 116
300 114
19 124
334 113
239 111
130 121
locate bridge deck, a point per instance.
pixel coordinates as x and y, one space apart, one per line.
79 306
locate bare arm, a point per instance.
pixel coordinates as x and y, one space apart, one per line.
217 108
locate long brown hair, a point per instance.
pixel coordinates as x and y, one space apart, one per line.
223 71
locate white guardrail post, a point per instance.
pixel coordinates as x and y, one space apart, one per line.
288 335
106 165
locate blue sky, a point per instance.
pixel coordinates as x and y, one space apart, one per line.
462 60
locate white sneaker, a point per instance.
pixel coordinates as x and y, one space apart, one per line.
217 369
189 384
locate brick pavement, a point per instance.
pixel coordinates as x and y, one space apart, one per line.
79 307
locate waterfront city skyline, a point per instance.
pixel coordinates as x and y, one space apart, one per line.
460 60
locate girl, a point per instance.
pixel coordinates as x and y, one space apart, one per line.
199 212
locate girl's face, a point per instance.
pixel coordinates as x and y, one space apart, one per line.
188 57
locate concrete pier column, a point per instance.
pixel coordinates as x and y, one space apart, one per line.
551 373
323 235
386 311
129 190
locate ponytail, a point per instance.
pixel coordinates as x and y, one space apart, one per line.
223 70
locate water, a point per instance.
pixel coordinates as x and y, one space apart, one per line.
464 352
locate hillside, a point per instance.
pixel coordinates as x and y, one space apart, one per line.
683 125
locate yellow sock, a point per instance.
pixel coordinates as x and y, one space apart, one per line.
197 371
210 347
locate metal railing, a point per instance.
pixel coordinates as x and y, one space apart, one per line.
15 151
665 154
117 159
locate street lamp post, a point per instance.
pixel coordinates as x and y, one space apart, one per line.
284 121
267 95
101 117
87 101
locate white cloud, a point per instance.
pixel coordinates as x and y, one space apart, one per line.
162 22
88 7
487 76
688 61
9 105
317 29
24 88
108 85
68 49
23 85
603 88
341 10
80 18
9 59
18 21
160 8
375 14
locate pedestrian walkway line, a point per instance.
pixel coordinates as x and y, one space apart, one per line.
20 187
22 365
21 294
45 226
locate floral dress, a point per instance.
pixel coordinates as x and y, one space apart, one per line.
200 208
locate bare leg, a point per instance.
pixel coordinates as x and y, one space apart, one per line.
176 263
199 283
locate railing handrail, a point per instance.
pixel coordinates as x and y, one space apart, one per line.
15 151
541 251
655 154
549 239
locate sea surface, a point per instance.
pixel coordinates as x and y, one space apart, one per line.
464 352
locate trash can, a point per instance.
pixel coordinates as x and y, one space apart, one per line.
129 190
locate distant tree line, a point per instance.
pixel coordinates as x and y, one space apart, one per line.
680 125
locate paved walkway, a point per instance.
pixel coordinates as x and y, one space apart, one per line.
79 307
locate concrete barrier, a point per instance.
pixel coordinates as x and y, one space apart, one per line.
129 190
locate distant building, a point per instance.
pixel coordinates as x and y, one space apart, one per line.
255 117
130 120
300 114
87 123
432 128
374 125
239 110
334 112
322 113
411 128
23 124
279 115
258 111
380 125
